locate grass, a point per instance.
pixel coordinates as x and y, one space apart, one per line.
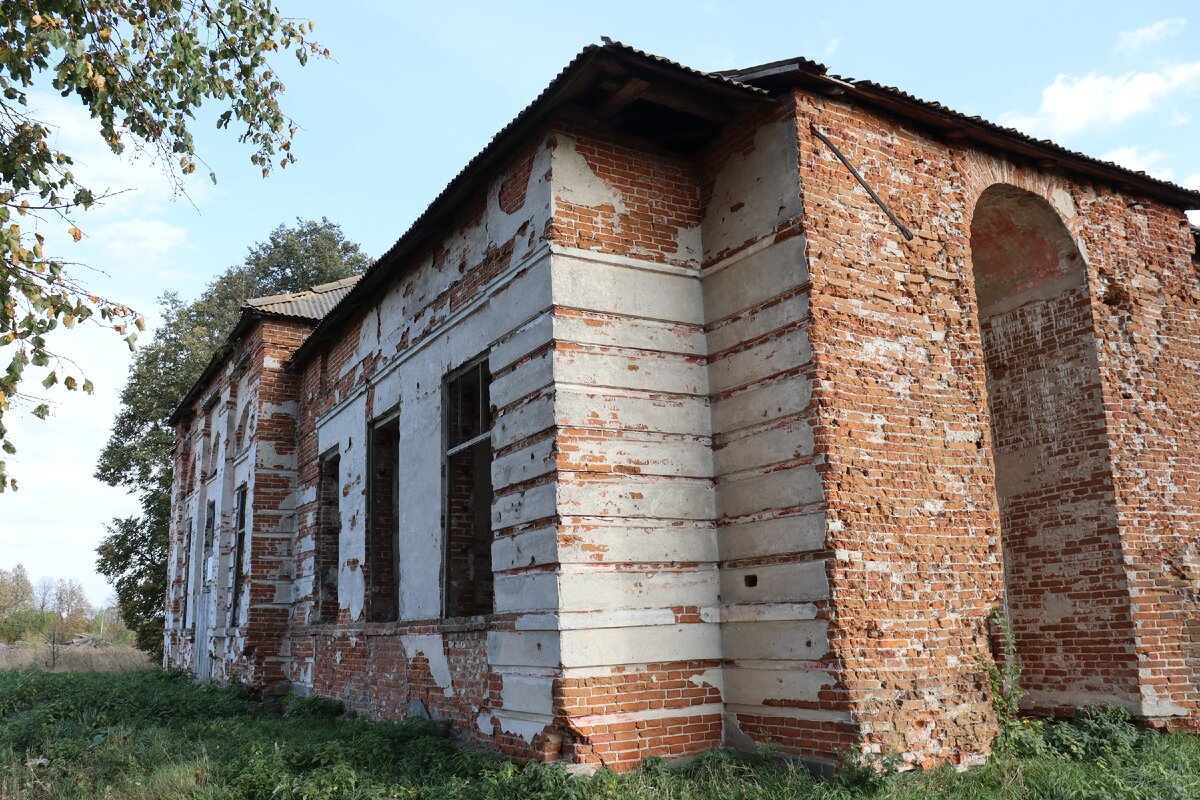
75 659
155 735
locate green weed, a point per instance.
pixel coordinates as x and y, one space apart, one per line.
158 735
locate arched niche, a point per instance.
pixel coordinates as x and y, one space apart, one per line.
243 428
214 454
1066 595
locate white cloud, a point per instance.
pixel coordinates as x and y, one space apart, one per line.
832 45
1135 159
139 242
1072 104
1132 41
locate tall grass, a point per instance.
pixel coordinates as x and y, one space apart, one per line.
75 659
155 735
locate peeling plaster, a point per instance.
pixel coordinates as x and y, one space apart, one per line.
574 181
433 648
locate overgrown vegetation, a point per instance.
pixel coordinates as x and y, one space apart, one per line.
1004 675
153 734
75 659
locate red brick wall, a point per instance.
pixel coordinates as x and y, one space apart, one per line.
782 680
656 196
651 710
901 383
1146 307
614 197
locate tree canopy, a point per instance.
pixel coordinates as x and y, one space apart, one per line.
142 70
138 453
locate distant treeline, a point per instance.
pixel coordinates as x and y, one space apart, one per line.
53 611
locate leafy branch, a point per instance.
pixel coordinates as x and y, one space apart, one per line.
141 69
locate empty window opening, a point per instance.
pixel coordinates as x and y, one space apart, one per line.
470 588
383 526
210 532
239 554
329 533
187 577
203 568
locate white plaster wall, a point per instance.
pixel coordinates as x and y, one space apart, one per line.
414 338
769 498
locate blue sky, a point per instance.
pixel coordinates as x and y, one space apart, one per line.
413 91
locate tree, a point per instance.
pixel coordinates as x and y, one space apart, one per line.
43 594
138 454
25 610
71 606
107 628
142 69
16 591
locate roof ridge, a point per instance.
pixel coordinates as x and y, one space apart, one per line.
338 284
320 288
721 77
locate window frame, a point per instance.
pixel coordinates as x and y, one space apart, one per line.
449 452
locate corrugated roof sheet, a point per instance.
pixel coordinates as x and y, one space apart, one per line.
312 303
726 77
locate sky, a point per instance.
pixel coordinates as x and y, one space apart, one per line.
413 91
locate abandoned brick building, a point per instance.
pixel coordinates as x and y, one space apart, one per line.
658 432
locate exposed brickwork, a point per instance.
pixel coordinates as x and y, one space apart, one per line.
1145 296
760 468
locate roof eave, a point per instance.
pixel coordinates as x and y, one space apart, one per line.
593 62
955 126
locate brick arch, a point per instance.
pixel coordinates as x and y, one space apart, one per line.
983 173
1066 592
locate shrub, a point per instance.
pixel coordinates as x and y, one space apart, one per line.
296 705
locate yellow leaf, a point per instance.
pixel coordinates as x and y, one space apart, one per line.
76 234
